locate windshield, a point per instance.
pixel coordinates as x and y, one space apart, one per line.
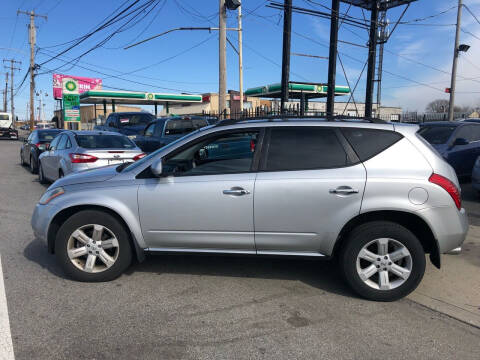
437 134
134 119
4 117
153 154
183 126
104 142
47 136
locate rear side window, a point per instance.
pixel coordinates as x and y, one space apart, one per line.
436 135
369 142
184 126
304 148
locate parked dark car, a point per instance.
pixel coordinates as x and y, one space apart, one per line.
36 143
126 123
458 142
163 131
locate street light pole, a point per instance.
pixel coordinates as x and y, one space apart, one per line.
451 107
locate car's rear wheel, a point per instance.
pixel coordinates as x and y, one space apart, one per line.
41 176
93 246
22 162
33 165
382 261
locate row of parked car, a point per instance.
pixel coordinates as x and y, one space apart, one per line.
125 137
458 142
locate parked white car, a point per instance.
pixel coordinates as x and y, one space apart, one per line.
73 151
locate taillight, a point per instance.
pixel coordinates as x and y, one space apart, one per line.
139 156
449 187
41 146
252 146
82 158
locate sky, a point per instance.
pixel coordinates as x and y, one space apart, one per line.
417 62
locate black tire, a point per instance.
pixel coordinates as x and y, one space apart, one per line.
41 176
33 165
60 174
22 162
86 217
365 233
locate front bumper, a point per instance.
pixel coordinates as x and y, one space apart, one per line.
41 219
449 226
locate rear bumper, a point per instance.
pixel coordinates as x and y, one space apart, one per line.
449 226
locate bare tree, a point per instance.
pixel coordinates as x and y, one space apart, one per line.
441 106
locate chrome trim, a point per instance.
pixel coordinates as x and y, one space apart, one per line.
228 251
289 253
213 251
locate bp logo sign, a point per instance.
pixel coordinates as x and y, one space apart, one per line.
70 86
149 96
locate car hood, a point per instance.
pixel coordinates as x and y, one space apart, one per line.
87 176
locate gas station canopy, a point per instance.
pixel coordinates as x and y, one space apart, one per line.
136 98
296 90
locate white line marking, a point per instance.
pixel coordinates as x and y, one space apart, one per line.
6 346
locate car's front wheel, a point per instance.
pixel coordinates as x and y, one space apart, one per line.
93 246
382 261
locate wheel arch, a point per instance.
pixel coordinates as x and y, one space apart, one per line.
412 222
66 213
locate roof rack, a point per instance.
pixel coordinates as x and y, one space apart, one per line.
287 117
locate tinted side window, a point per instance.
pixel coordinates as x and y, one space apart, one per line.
110 121
54 143
69 143
225 154
370 142
303 148
62 143
469 132
150 130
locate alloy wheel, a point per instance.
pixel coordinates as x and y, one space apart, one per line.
384 264
93 248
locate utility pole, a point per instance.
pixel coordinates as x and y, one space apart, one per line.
383 33
32 38
12 70
372 59
222 57
332 58
451 107
240 57
287 36
5 93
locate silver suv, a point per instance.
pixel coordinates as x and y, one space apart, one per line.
375 196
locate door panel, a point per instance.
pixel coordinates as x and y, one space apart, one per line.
192 212
297 211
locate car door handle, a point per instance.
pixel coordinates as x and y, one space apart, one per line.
236 192
343 190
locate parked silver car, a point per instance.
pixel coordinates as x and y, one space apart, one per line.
73 151
376 196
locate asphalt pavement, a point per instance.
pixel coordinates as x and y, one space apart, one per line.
201 307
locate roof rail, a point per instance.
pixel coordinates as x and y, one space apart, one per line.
287 117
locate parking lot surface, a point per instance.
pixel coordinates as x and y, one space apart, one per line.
204 307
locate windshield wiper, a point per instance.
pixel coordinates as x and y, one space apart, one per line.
123 166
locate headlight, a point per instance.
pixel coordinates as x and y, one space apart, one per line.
132 136
50 195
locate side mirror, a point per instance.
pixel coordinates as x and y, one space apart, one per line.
25 140
157 167
460 141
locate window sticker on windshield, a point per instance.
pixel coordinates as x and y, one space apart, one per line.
125 120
